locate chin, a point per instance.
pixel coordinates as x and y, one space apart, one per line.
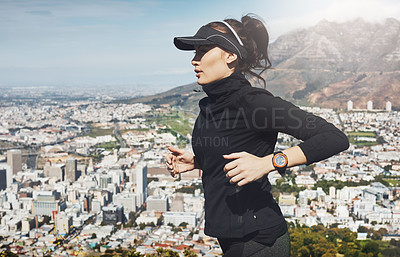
201 82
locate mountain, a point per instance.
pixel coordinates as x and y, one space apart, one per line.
325 65
186 96
331 63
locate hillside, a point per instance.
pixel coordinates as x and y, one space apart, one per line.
331 63
326 65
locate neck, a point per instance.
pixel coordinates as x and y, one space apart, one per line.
226 85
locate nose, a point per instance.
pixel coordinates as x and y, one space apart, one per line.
195 61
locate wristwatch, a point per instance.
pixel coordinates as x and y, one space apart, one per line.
280 162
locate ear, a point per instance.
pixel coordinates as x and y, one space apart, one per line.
231 57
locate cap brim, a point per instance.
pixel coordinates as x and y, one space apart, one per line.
188 43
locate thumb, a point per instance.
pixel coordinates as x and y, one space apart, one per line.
232 156
175 150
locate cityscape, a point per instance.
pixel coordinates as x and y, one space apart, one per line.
84 177
94 93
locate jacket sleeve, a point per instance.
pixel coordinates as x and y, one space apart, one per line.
266 113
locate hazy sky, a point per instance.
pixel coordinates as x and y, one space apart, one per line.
116 42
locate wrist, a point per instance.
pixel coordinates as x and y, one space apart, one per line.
268 164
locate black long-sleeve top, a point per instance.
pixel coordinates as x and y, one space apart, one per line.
237 117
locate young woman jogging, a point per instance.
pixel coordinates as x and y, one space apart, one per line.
235 134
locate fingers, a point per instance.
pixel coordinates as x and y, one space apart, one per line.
171 159
242 182
233 173
239 179
230 165
234 155
176 151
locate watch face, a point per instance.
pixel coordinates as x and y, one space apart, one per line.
280 160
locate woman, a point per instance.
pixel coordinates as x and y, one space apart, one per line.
235 134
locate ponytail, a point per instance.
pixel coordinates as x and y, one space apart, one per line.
255 38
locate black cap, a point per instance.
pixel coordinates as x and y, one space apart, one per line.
209 36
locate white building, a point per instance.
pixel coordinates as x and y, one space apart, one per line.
370 106
128 200
27 224
350 105
388 106
141 182
342 211
14 160
157 203
304 180
63 223
332 192
177 218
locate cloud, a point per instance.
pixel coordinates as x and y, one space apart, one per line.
337 11
372 10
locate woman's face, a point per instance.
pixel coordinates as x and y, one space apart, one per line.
211 63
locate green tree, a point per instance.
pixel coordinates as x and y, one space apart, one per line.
132 216
303 252
371 247
176 229
362 229
142 225
162 252
322 247
132 253
183 224
377 235
329 253
189 253
391 252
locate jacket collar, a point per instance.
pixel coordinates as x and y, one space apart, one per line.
226 86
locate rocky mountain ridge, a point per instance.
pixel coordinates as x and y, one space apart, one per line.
326 65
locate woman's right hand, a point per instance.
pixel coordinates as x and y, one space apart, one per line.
179 161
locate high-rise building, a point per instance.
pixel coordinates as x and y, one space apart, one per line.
113 214
47 205
141 182
370 106
105 180
350 105
332 192
6 176
388 106
27 223
157 203
14 159
54 170
63 223
128 200
71 169
57 171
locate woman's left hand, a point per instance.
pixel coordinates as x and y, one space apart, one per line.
246 168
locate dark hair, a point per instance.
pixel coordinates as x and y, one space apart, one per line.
255 38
